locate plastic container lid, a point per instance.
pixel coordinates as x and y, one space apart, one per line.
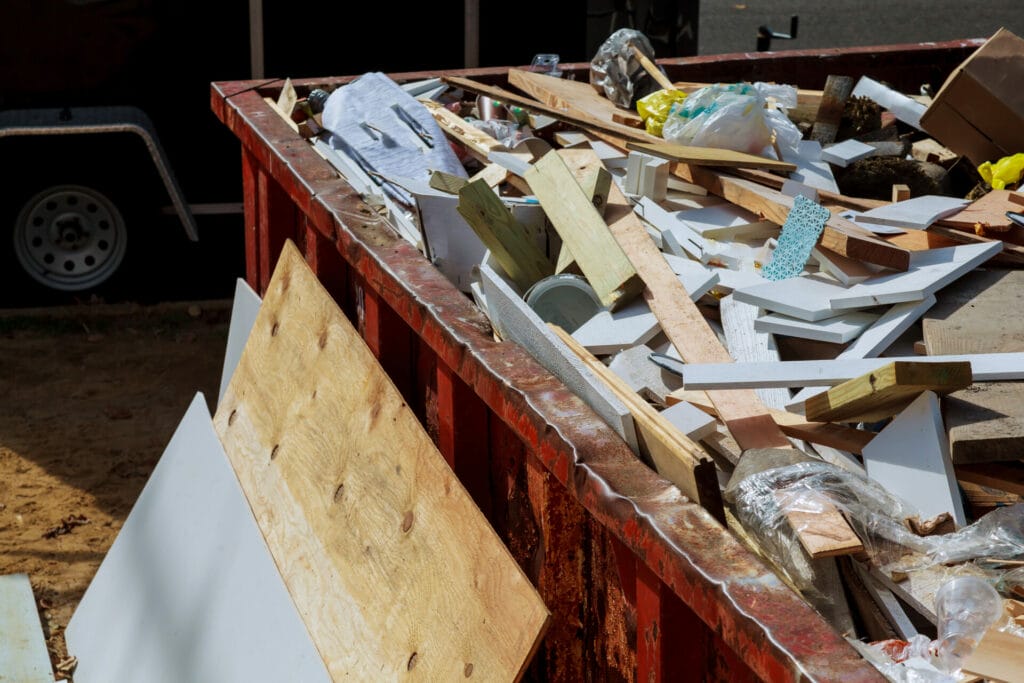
565 300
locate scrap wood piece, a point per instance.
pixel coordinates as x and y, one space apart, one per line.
595 185
652 69
569 114
577 97
675 456
578 223
680 319
825 433
709 156
986 214
1003 476
512 245
999 657
357 506
820 526
830 109
886 391
986 422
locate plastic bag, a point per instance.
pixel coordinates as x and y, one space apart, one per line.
1006 171
616 72
733 116
654 108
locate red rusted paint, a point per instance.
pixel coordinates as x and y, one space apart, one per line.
463 435
580 475
250 188
276 222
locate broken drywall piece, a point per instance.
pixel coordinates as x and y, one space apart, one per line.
914 214
23 654
244 308
930 271
609 332
800 232
810 170
188 591
910 458
517 322
838 330
690 420
846 152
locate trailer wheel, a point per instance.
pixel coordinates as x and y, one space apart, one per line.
70 238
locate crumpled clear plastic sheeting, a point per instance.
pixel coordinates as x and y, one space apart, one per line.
997 535
617 72
733 116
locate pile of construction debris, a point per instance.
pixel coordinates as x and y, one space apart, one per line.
810 331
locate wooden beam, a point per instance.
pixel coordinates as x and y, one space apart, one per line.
576 97
709 156
580 226
681 320
380 545
1004 476
886 391
675 456
511 243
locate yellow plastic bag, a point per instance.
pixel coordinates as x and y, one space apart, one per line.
1006 171
653 108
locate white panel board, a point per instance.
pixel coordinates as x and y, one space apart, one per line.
611 331
517 322
914 214
806 297
244 309
910 458
188 590
690 420
746 344
23 654
838 330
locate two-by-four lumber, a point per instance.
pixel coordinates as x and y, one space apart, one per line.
583 229
596 185
709 156
674 455
510 242
821 528
886 391
681 320
388 560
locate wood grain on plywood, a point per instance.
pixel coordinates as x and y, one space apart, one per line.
388 560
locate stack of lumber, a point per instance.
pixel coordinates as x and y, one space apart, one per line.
885 351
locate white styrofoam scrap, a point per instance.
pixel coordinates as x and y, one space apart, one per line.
846 152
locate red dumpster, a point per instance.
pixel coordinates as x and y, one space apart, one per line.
642 585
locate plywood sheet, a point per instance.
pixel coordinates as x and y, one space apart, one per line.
391 565
986 421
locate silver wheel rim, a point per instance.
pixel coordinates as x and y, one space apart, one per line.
70 238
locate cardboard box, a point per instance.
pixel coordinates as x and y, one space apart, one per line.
979 112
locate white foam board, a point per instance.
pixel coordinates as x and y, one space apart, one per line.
517 322
189 591
838 330
910 458
690 420
930 271
244 308
807 297
23 654
914 214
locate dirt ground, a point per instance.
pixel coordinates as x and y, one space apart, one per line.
89 397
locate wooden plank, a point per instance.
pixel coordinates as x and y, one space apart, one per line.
985 423
1004 476
580 226
188 591
709 156
910 458
595 185
985 215
23 654
825 433
681 320
385 555
651 68
675 456
998 657
830 109
821 528
886 391
575 96
512 244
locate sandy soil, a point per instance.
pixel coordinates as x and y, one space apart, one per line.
89 397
